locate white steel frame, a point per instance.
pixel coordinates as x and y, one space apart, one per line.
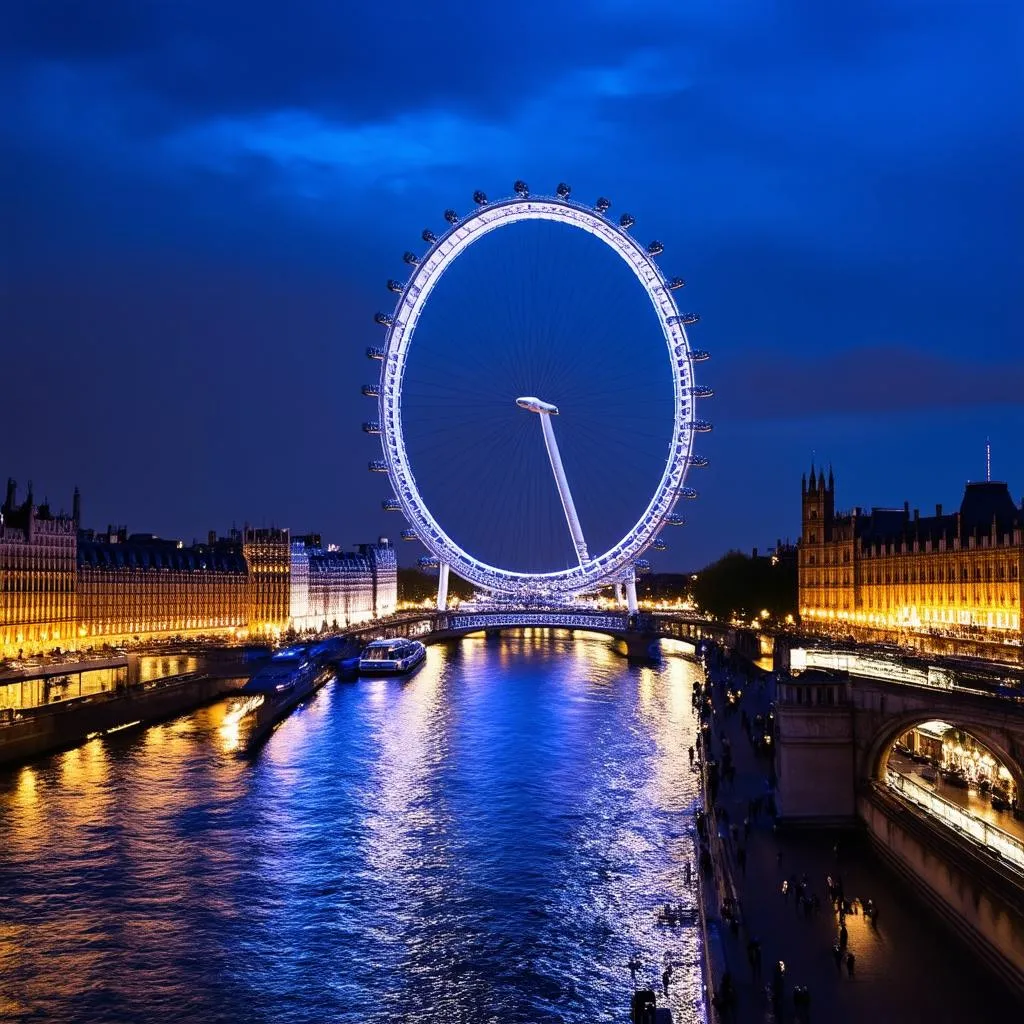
616 563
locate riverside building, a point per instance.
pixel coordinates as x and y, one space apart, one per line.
69 588
950 583
332 589
139 587
37 574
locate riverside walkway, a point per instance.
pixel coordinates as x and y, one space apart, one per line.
907 966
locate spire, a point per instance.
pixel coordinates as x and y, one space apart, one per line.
12 494
831 478
814 480
76 507
803 484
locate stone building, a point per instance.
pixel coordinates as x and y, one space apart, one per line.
138 587
268 556
62 586
37 574
947 583
334 589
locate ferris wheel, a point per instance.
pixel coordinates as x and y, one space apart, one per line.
617 562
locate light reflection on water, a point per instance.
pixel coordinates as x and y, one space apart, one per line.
487 841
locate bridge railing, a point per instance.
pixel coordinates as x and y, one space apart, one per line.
1009 848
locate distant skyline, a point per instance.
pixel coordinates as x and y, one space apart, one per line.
204 203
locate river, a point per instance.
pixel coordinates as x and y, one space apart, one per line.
486 841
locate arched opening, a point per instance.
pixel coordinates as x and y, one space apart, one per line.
962 778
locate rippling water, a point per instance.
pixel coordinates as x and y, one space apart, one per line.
487 841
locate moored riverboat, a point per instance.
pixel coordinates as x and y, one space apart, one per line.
395 657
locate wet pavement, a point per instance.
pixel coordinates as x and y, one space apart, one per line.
910 967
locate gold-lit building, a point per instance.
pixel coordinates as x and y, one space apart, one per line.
37 575
947 583
268 557
138 587
74 589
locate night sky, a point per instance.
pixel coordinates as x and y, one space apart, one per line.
202 202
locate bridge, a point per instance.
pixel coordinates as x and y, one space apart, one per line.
636 634
833 738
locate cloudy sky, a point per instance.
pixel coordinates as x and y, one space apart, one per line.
203 199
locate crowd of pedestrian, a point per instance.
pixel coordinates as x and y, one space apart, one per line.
727 692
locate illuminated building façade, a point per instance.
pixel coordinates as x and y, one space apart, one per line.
334 588
948 583
37 573
62 586
141 586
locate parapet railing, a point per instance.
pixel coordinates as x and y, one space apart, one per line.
1009 848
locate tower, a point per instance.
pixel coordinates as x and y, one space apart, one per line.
817 501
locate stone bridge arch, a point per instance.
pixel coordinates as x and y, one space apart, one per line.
1006 744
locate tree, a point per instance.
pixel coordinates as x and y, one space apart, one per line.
742 586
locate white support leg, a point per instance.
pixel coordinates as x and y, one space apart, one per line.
442 587
620 600
563 489
631 605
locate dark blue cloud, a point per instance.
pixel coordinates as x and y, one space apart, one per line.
205 198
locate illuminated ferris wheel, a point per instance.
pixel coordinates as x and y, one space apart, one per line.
616 562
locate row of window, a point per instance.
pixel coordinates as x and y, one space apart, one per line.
882 575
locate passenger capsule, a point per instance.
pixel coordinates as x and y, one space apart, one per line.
659 544
655 249
375 352
428 562
384 319
371 427
377 466
521 189
395 286
411 258
642 565
697 461
391 505
409 534
451 216
702 426
626 221
428 236
676 282
480 198
371 390
602 205
685 319
690 493
702 391
563 190
674 519
700 356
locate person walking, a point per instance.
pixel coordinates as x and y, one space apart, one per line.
837 955
666 977
850 959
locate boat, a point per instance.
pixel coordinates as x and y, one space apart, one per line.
292 675
394 657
